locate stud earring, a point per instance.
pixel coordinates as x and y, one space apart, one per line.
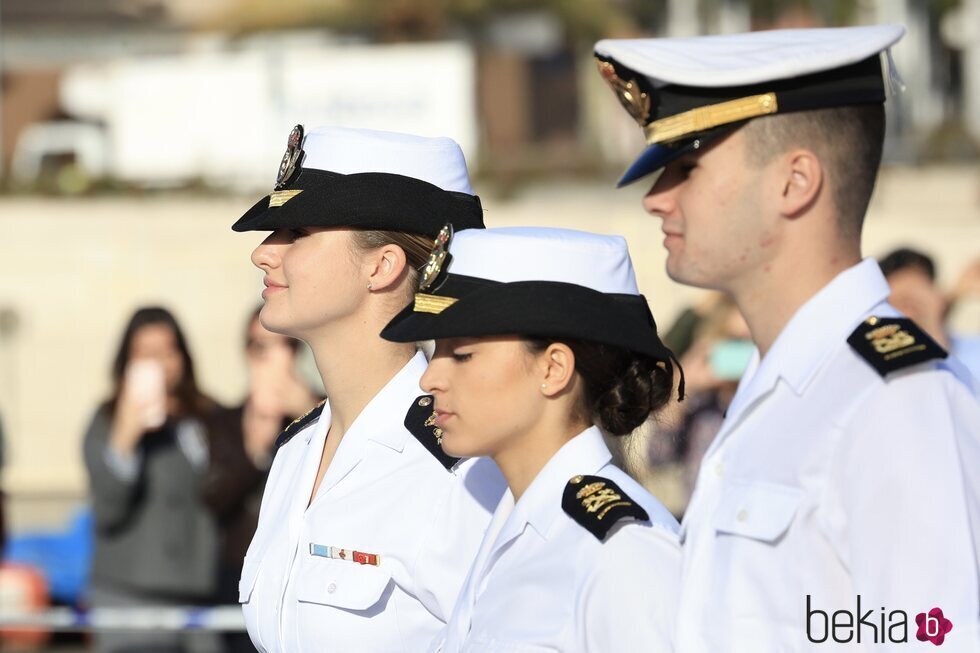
544 386
369 285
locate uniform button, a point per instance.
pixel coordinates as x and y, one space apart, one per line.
719 469
331 588
743 515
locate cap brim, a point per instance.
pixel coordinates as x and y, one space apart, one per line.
659 155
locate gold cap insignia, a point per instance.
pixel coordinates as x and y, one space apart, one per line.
437 257
292 159
634 100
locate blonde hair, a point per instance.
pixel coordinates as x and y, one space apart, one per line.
415 246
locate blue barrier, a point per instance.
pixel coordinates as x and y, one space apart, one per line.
64 557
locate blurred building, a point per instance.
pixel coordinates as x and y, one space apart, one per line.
39 41
147 92
183 93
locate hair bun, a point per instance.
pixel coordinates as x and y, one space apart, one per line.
641 389
621 388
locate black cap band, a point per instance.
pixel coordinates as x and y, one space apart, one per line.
369 200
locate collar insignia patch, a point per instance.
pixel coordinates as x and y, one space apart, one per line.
420 422
299 424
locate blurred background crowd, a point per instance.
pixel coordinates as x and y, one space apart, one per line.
139 397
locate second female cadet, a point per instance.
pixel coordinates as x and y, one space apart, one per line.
542 339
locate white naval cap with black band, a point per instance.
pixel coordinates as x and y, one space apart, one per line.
367 179
531 281
685 92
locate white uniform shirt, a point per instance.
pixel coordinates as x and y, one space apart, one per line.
542 582
831 481
383 494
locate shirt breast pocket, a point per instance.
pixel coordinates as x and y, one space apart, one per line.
758 510
350 586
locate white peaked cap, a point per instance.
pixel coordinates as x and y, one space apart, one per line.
509 254
438 161
751 57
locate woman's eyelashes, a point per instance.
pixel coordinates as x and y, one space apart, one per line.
462 357
295 234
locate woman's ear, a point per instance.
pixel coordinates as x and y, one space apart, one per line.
558 366
385 266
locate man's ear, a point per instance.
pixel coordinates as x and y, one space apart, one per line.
803 181
385 265
558 367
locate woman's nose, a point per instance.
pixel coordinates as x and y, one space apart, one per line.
432 380
266 255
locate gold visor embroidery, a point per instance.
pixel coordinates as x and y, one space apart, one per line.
705 118
280 197
432 303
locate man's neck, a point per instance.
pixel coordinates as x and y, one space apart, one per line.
770 297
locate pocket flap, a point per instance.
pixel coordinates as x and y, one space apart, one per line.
759 510
340 583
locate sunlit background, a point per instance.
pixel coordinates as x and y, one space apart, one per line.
134 132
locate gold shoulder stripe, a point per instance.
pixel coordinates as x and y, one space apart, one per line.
280 197
432 303
704 118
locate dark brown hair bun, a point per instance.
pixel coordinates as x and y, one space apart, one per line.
621 388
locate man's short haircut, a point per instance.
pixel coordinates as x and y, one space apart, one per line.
846 140
906 258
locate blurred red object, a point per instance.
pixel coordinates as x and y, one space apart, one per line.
23 589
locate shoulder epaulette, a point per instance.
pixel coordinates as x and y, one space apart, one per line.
893 343
597 504
418 421
299 424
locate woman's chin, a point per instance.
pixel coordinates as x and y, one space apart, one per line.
276 324
458 447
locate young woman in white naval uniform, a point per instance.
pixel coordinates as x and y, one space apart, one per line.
364 536
541 340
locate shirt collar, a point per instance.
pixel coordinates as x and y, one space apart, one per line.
540 504
395 398
814 331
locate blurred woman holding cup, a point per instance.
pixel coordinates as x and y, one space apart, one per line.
146 454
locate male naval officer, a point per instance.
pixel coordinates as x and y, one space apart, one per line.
839 506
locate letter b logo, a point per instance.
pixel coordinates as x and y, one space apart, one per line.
933 626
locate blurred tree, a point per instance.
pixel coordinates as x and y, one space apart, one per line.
830 12
411 20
